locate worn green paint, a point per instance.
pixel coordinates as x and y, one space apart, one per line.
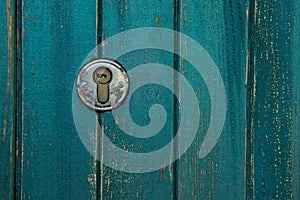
270 123
57 36
221 28
7 96
255 45
296 101
127 15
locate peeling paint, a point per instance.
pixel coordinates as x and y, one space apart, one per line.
9 60
4 124
156 21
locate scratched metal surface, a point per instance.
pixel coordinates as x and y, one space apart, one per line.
7 99
256 46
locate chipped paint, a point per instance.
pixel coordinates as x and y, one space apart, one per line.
197 178
9 60
4 124
156 21
7 135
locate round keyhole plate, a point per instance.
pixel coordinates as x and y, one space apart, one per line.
88 76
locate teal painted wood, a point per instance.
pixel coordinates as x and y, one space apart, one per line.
221 28
296 116
7 99
118 16
57 35
271 76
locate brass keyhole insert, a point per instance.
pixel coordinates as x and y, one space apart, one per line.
102 77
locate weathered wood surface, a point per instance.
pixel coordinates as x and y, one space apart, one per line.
7 98
221 28
296 100
273 101
256 46
118 16
57 37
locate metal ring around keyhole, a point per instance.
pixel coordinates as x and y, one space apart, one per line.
102 84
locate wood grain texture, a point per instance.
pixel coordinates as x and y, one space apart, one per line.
296 101
255 45
221 28
272 100
57 35
7 98
118 16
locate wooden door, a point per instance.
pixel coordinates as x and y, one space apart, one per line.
254 44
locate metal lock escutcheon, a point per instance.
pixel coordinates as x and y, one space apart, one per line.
102 84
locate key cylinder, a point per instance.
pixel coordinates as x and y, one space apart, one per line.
102 76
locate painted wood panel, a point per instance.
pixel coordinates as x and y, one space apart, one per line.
221 28
57 35
118 16
296 101
7 98
274 48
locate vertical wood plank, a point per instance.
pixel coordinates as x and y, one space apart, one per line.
296 111
272 100
7 98
57 35
120 16
221 28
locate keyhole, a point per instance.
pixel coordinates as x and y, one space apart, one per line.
102 76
